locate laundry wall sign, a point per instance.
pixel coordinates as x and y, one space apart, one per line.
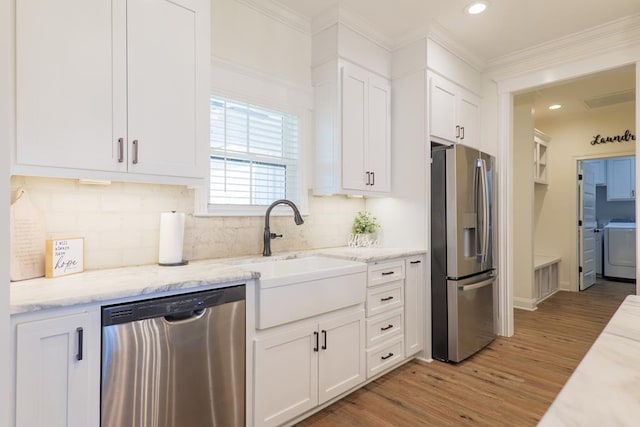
627 136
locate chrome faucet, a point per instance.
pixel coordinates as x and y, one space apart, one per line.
268 235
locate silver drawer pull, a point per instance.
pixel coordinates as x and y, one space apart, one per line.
386 357
386 328
386 299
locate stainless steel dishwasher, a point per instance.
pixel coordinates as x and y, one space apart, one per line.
175 361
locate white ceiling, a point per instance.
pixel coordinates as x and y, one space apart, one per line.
506 27
619 84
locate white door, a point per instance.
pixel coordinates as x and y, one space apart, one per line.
378 154
71 83
286 374
469 117
163 102
354 128
442 109
52 373
621 179
341 364
587 225
413 306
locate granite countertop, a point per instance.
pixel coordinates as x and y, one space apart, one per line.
117 283
604 390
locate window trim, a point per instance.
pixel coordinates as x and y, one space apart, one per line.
202 206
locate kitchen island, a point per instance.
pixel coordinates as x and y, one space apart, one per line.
604 389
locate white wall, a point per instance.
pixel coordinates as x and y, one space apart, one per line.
245 35
556 206
523 205
403 215
6 138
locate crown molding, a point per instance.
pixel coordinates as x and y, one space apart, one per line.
339 15
445 39
280 13
611 36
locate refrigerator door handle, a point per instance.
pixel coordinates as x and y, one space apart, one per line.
485 210
478 285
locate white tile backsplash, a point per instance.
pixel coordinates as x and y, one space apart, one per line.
120 222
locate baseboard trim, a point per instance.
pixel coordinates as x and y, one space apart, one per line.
525 304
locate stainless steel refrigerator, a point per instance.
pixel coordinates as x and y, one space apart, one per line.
463 274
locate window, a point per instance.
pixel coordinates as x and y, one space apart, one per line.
253 155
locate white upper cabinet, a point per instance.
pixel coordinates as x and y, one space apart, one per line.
353 130
454 113
112 89
600 167
621 179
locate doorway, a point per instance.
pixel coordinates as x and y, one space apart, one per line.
546 203
606 220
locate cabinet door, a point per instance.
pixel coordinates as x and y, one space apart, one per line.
71 83
621 177
52 373
601 172
164 40
378 154
442 109
342 357
469 119
354 127
414 306
286 375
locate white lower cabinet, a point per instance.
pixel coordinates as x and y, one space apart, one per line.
414 305
302 365
385 316
57 371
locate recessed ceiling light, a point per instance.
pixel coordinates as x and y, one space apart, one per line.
555 107
477 7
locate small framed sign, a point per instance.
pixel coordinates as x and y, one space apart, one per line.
64 256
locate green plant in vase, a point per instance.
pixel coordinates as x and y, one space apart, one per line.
364 228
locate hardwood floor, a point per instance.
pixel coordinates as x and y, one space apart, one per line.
510 383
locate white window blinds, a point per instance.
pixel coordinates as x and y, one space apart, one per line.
253 155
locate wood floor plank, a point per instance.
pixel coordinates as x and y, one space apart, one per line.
510 383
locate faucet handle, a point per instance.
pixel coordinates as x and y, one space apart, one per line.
274 235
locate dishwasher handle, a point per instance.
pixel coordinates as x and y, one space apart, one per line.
174 308
185 317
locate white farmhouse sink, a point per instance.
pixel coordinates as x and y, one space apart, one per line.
298 288
281 272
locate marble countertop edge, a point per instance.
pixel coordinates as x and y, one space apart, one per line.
125 282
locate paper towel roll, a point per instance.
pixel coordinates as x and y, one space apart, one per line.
171 238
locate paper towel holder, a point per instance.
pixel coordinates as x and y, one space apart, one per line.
174 262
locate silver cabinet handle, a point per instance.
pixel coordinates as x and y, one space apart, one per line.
135 152
368 178
457 131
462 132
373 178
120 150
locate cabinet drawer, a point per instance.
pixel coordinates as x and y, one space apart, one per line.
385 273
383 327
381 358
385 298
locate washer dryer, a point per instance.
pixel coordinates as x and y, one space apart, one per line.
620 250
